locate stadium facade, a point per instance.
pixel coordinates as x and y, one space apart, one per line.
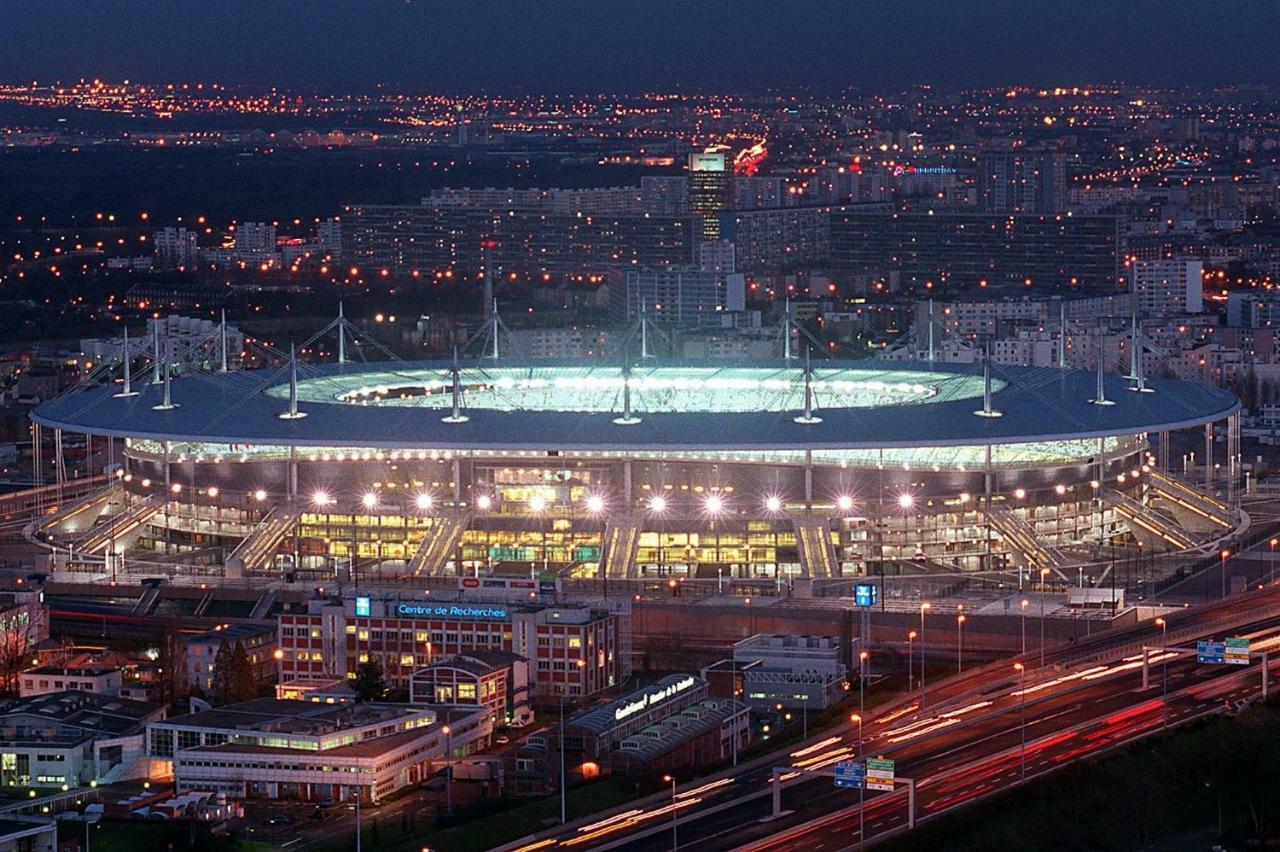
762 470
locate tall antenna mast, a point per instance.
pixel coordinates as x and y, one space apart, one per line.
222 341
931 331
786 331
128 367
293 413
342 335
456 416
987 409
808 416
155 353
1100 396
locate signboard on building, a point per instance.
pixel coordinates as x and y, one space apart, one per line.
880 774
362 606
866 594
649 699
850 773
450 611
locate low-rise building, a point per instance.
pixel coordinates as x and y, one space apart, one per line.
268 748
105 680
259 642
28 834
317 690
73 738
794 671
670 723
495 680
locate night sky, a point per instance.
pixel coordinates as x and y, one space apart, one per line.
590 45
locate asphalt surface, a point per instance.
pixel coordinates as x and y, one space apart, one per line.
1079 704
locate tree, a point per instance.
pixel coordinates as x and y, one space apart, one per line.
221 688
15 647
171 668
369 684
243 683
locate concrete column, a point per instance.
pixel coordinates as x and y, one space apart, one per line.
168 452
457 480
808 481
293 475
626 485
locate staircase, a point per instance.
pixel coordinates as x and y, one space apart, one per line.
76 517
1023 542
440 541
1186 498
123 528
813 541
621 541
258 550
263 606
147 602
1152 521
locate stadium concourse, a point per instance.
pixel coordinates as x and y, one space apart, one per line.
637 468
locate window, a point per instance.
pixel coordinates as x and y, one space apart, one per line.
467 691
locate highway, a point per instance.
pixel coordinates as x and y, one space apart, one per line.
965 743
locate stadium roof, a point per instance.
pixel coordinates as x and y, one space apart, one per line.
680 406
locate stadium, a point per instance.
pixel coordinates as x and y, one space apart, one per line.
759 471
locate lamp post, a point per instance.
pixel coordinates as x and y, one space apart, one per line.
658 506
448 767
1044 573
596 507
1225 554
862 791
923 607
1272 576
1164 669
675 840
863 656
1023 605
1022 753
960 619
911 661
714 505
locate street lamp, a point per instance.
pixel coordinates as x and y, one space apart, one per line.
862 789
713 506
675 840
1044 573
863 656
595 508
423 501
923 606
658 507
1022 695
911 677
1024 604
1225 554
1272 577
581 664
1164 669
448 767
960 620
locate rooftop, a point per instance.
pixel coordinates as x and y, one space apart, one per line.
572 407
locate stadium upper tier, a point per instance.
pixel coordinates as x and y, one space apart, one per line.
575 407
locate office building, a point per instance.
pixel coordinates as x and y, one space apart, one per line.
498 681
710 190
665 195
1022 181
258 640
74 738
175 248
1164 288
334 636
682 296
273 749
798 672
46 679
946 247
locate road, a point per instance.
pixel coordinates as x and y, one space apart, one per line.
1086 699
